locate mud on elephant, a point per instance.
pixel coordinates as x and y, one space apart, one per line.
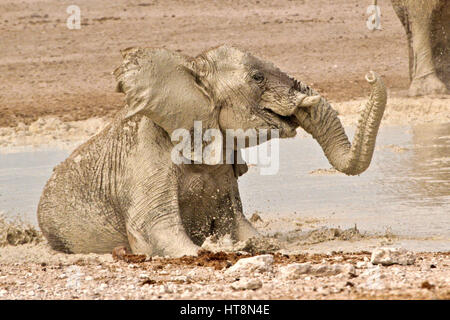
121 187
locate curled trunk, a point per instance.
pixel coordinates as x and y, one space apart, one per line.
322 122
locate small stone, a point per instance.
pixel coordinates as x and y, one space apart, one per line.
427 285
364 265
182 279
247 266
390 256
246 284
295 270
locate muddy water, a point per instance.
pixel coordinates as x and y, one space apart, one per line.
406 190
22 178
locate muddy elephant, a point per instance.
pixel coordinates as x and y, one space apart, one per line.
122 186
427 25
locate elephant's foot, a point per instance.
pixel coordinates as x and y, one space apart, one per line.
428 85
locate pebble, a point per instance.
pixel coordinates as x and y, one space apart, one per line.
103 286
246 284
390 256
364 265
248 266
375 281
295 270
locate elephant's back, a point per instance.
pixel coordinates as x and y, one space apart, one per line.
80 209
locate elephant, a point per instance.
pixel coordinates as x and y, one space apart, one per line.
122 187
427 26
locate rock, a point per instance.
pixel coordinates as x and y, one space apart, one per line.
248 266
390 256
102 286
295 270
364 265
181 279
246 284
375 280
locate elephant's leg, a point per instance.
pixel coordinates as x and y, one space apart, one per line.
441 42
424 78
243 229
402 14
154 224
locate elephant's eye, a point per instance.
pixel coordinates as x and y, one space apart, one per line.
258 77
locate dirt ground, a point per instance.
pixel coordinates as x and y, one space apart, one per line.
48 69
36 272
30 269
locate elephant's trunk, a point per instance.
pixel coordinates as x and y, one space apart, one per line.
322 122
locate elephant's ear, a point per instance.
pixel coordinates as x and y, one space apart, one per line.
164 86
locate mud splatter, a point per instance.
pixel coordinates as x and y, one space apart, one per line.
122 253
319 235
17 233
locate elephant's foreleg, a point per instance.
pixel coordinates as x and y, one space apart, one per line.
154 224
243 229
424 78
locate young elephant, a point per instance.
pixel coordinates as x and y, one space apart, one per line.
122 188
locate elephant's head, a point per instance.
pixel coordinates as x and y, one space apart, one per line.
226 88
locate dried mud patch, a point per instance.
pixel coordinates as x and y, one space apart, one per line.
223 260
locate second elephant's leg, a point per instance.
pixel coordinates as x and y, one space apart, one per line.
424 78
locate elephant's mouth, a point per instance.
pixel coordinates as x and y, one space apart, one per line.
286 124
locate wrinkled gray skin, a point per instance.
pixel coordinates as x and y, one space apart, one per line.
427 26
121 187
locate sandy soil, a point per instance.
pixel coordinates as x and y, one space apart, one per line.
35 272
57 89
30 269
48 69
